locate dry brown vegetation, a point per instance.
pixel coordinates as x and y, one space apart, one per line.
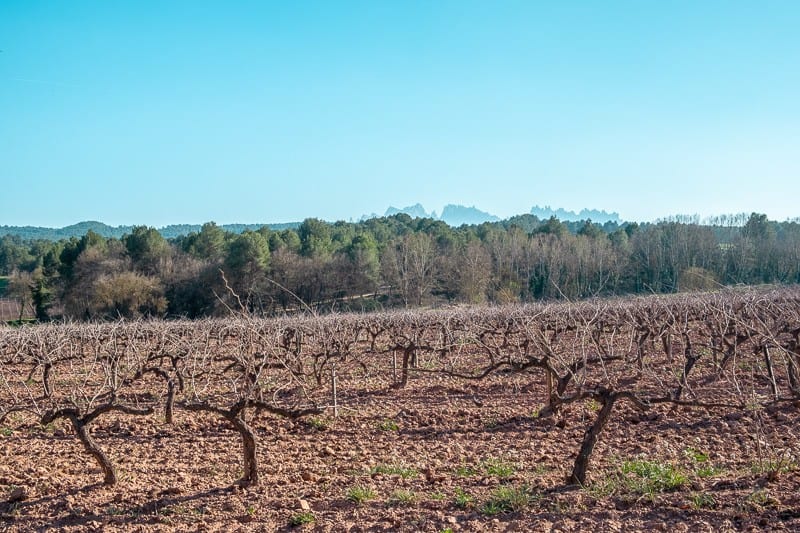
677 412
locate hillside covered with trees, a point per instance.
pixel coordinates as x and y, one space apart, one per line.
394 261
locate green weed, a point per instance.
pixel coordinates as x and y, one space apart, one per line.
319 423
438 496
466 471
402 497
499 468
388 425
707 471
395 470
695 455
703 501
773 467
301 519
507 499
360 494
463 499
594 405
650 477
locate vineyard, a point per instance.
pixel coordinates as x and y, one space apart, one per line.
675 411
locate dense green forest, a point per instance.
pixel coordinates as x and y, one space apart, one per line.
82 228
389 262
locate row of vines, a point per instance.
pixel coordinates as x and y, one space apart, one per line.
732 350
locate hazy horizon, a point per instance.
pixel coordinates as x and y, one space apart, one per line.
183 112
723 218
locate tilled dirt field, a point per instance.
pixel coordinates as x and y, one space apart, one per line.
437 456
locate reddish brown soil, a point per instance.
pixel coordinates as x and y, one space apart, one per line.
447 436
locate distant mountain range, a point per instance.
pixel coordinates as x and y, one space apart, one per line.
456 215
414 211
452 214
598 217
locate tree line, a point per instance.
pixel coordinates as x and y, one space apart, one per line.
387 262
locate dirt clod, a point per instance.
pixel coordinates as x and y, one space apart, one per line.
17 495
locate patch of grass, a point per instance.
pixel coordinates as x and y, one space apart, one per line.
499 468
773 467
462 499
438 496
301 519
703 501
506 499
319 423
6 432
491 467
394 470
113 510
594 405
402 497
760 499
650 477
388 425
491 508
18 323
698 456
708 470
606 486
360 494
466 471
704 467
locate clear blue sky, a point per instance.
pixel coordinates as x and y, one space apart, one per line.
161 112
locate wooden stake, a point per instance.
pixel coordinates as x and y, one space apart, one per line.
333 388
